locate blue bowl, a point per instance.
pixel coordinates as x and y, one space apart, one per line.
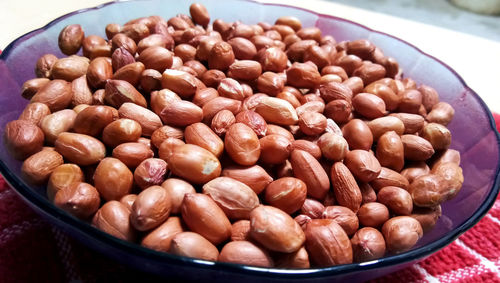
473 130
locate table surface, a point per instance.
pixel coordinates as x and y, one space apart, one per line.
475 58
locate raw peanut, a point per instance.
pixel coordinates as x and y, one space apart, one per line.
246 70
449 155
202 96
113 218
92 42
112 179
221 56
367 193
358 135
373 214
252 119
70 39
369 105
121 131
98 72
56 123
243 48
416 148
339 110
179 23
177 188
381 125
275 149
168 146
452 174
193 163
231 88
80 149
161 237
309 170
346 189
222 121
390 151
92 120
270 83
98 97
415 170
120 58
81 91
428 190
354 83
118 92
287 194
367 244
201 135
165 132
298 259
234 197
413 122
206 44
132 153
148 120
288 96
342 216
334 90
411 100
398 200
181 113
31 87
79 199
275 230
361 48
388 177
245 252
130 73
369 72
327 243
317 55
156 58
401 233
202 215
180 82
312 123
79 108
295 51
312 208
217 104
185 51
242 144
150 80
438 135
308 146
390 98
302 220
193 245
44 65
430 96
283 30
136 31
37 168
441 113
69 68
56 94
278 111
240 230
362 164
277 130
197 66
22 138
426 216
253 176
34 113
290 21
199 14
150 172
151 208
63 176
333 146
273 59
302 75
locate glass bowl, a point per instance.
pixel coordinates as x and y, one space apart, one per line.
474 135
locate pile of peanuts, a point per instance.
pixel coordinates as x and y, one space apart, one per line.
266 145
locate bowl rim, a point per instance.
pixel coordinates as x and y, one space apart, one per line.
45 207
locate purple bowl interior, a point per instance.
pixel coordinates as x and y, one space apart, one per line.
473 129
